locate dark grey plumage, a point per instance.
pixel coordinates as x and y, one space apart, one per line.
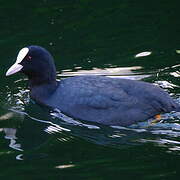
105 100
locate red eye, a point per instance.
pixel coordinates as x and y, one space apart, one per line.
29 57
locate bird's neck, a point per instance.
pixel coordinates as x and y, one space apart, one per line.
42 92
36 81
42 85
42 78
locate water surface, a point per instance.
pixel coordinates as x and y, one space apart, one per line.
121 39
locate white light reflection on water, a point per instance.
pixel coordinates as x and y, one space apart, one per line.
178 51
113 72
65 166
58 114
10 134
175 74
166 84
142 54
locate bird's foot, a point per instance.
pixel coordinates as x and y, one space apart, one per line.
157 119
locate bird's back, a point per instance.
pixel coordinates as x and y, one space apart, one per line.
110 100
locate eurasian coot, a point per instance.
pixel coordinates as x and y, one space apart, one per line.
109 101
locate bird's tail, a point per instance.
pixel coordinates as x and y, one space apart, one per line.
177 109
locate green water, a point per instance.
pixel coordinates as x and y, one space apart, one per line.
133 39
